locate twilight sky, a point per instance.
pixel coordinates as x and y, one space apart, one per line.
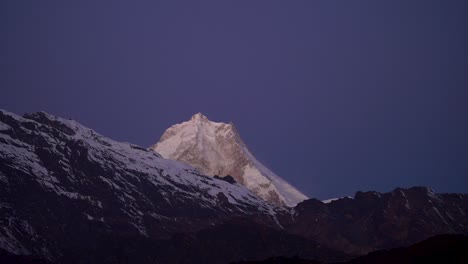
334 96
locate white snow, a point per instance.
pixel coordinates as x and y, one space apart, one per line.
217 149
336 199
4 126
134 165
432 194
407 205
440 215
330 200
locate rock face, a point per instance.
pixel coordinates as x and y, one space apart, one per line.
64 188
70 195
372 221
217 149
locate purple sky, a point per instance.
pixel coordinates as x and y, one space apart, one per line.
334 96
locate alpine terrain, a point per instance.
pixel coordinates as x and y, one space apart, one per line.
71 195
216 149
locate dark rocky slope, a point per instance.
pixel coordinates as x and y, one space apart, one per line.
372 220
442 249
70 195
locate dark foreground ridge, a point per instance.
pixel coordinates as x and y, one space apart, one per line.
446 249
9 258
70 195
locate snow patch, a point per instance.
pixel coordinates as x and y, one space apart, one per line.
330 200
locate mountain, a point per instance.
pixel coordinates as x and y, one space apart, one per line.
372 220
216 149
71 195
59 178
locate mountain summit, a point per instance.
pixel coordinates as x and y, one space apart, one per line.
217 149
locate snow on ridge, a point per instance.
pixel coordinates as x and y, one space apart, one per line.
327 201
133 158
131 165
290 194
330 200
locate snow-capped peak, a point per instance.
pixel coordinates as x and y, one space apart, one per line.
199 116
215 148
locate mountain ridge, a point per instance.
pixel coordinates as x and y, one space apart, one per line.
71 195
88 181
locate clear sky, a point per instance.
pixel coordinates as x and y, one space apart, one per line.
334 96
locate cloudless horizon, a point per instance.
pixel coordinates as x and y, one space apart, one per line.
333 96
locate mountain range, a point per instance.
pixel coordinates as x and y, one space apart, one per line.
71 195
